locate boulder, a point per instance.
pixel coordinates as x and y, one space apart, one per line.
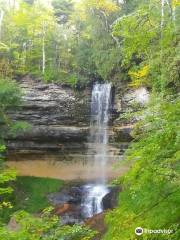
70 195
111 199
63 208
97 223
13 225
123 133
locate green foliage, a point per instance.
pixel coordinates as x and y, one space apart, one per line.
10 98
28 28
90 39
74 43
67 37
6 175
9 94
30 194
63 10
150 196
46 227
145 42
19 127
62 77
96 51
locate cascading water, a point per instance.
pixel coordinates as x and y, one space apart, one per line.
100 104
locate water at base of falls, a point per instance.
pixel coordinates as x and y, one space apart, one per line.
77 202
98 140
92 199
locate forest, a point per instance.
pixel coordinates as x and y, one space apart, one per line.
131 44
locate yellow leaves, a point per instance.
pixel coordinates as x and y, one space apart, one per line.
175 3
105 5
6 205
32 18
3 46
81 13
85 6
21 18
139 77
140 73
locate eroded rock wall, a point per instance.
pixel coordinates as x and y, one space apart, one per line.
59 119
127 103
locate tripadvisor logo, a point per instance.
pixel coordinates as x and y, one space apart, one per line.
139 231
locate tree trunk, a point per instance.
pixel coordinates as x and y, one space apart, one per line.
1 20
162 13
24 53
43 50
169 6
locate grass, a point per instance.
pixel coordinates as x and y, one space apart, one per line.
30 194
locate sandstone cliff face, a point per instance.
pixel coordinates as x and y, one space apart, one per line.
59 120
127 102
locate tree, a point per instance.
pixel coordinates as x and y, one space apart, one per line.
63 10
150 49
93 23
150 196
142 40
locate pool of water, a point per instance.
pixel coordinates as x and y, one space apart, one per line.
75 170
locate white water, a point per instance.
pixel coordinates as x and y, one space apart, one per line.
100 104
92 200
98 140
141 95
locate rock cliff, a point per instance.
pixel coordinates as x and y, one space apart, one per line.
59 119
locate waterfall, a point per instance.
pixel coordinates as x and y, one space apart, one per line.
100 103
98 140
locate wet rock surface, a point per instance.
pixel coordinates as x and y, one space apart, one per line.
97 223
68 203
111 199
71 194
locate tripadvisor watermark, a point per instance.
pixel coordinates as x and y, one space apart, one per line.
139 231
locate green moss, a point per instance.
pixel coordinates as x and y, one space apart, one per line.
30 194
